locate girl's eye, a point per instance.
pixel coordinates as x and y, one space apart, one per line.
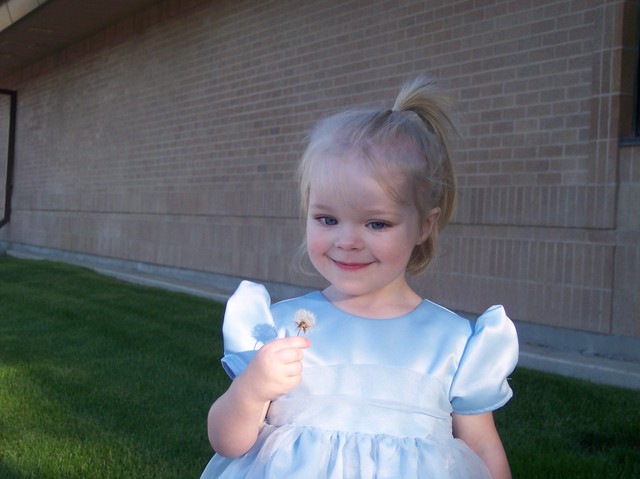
327 220
377 225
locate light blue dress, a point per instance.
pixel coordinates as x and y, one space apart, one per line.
376 395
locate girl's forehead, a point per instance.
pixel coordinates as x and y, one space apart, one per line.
352 178
339 171
347 162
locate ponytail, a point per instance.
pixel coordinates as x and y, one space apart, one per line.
433 108
421 97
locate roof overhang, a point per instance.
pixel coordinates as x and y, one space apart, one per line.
30 30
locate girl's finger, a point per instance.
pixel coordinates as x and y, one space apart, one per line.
290 355
299 342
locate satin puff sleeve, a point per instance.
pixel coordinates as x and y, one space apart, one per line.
248 325
480 383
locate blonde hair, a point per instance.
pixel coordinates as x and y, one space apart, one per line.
407 148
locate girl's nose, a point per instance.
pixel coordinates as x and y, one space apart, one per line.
347 238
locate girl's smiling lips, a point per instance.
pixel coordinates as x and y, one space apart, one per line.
350 266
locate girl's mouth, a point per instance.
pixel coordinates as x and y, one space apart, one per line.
350 266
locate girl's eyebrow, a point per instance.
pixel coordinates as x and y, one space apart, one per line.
383 214
372 212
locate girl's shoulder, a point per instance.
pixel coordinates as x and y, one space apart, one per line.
436 315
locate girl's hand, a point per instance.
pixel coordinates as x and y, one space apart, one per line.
236 417
275 369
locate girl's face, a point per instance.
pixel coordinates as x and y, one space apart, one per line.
358 236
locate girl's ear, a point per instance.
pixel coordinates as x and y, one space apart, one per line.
430 221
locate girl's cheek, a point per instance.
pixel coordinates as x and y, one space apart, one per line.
312 245
316 243
314 232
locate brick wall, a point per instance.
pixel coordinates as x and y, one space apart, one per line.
625 317
171 138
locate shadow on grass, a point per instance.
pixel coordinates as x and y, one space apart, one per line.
7 472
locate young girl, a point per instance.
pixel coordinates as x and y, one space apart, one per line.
366 379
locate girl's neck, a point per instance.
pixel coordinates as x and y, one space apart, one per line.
375 305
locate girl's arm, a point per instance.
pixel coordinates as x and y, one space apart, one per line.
236 417
479 432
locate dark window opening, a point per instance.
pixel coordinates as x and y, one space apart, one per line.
630 69
7 148
636 116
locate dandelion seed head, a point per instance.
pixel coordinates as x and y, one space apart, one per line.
304 320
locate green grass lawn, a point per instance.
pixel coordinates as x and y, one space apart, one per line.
103 379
